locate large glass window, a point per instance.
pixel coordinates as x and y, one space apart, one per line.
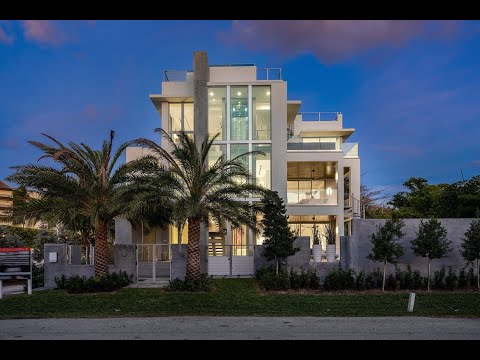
217 112
240 241
188 117
175 114
174 234
236 150
239 113
261 112
181 117
215 152
262 165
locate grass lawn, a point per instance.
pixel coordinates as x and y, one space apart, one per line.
235 297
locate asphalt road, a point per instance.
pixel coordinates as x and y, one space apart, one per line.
248 328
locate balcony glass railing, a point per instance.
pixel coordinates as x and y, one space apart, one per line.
320 116
312 197
306 146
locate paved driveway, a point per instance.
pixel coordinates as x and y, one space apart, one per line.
243 328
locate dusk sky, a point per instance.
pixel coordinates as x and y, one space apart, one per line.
411 89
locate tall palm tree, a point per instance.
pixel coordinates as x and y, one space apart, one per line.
199 192
86 184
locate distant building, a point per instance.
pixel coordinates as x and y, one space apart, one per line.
6 200
6 203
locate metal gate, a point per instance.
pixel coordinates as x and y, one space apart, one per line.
230 260
154 262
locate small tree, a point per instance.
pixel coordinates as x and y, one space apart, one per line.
384 244
431 242
471 246
278 236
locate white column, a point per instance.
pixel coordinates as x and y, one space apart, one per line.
1 290
29 286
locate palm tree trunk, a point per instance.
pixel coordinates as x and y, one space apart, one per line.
384 272
101 248
428 280
193 256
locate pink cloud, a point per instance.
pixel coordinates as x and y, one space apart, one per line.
334 40
43 31
4 37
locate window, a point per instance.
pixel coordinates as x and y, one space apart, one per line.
215 152
239 113
180 117
237 150
217 112
262 165
261 112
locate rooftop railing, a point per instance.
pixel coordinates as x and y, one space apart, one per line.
175 75
320 116
269 73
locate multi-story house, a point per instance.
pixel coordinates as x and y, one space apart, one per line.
308 161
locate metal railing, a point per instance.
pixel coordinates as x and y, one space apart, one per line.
154 252
320 116
175 75
269 73
220 249
80 254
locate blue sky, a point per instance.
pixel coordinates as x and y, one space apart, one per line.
410 88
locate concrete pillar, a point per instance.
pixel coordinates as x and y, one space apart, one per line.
200 112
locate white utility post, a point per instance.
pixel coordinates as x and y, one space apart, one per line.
1 284
411 302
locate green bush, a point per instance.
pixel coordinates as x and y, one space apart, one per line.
471 278
107 283
439 278
339 279
360 281
462 279
37 275
374 280
451 281
205 283
283 281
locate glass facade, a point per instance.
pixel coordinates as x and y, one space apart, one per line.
215 152
217 112
262 165
239 113
261 119
180 117
175 115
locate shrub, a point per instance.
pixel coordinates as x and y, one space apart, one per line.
438 279
451 281
292 280
106 283
471 277
462 279
374 280
360 281
418 280
37 275
205 283
339 279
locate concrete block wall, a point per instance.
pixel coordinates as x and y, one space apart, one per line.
179 262
358 246
124 261
52 270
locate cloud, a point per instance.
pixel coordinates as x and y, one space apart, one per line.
5 38
43 32
334 40
475 164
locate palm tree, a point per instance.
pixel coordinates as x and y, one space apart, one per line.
87 185
199 192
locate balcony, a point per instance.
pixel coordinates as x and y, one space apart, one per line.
320 116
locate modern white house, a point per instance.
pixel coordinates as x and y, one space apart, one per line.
308 160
